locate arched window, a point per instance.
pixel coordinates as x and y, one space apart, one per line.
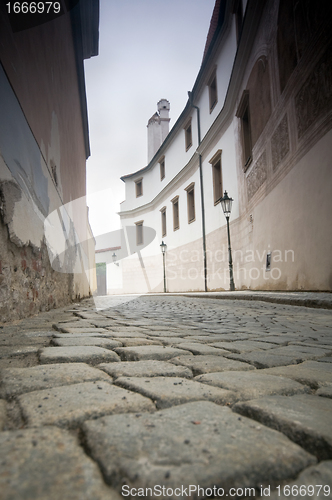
297 22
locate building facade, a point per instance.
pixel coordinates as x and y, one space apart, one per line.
258 124
46 243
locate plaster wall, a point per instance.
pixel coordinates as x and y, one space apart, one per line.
223 63
214 214
282 198
114 282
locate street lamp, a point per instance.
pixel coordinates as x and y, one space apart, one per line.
163 248
226 205
114 259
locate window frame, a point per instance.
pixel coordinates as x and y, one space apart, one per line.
238 12
188 135
217 179
162 168
176 213
213 90
139 182
191 209
243 113
139 233
163 222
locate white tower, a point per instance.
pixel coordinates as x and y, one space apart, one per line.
158 128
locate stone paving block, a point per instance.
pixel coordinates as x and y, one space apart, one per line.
168 333
160 329
71 405
7 352
83 331
243 346
15 381
263 359
304 418
62 327
134 342
197 443
46 333
229 337
3 413
277 339
325 392
171 340
49 463
86 341
148 352
210 363
148 368
89 316
199 337
320 474
102 322
126 334
85 354
197 348
253 384
312 373
171 391
81 335
302 353
319 345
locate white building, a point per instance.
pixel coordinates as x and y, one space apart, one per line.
257 124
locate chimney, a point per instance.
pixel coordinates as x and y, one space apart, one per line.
158 128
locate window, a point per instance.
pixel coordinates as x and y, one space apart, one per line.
139 232
162 168
176 220
213 96
54 172
188 135
268 261
237 10
216 176
139 187
163 221
191 202
244 114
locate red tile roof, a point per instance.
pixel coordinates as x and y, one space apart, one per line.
216 20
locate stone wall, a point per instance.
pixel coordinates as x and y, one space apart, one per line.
28 284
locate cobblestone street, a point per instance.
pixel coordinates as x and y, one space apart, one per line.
167 397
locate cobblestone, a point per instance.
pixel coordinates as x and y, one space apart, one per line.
303 418
190 390
71 405
86 341
16 381
207 364
253 385
149 368
48 463
148 352
197 443
72 354
167 391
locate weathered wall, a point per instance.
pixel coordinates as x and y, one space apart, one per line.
43 149
28 284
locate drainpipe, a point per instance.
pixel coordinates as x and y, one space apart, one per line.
202 192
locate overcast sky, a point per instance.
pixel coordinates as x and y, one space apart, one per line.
148 50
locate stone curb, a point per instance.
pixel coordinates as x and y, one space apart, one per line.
276 298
